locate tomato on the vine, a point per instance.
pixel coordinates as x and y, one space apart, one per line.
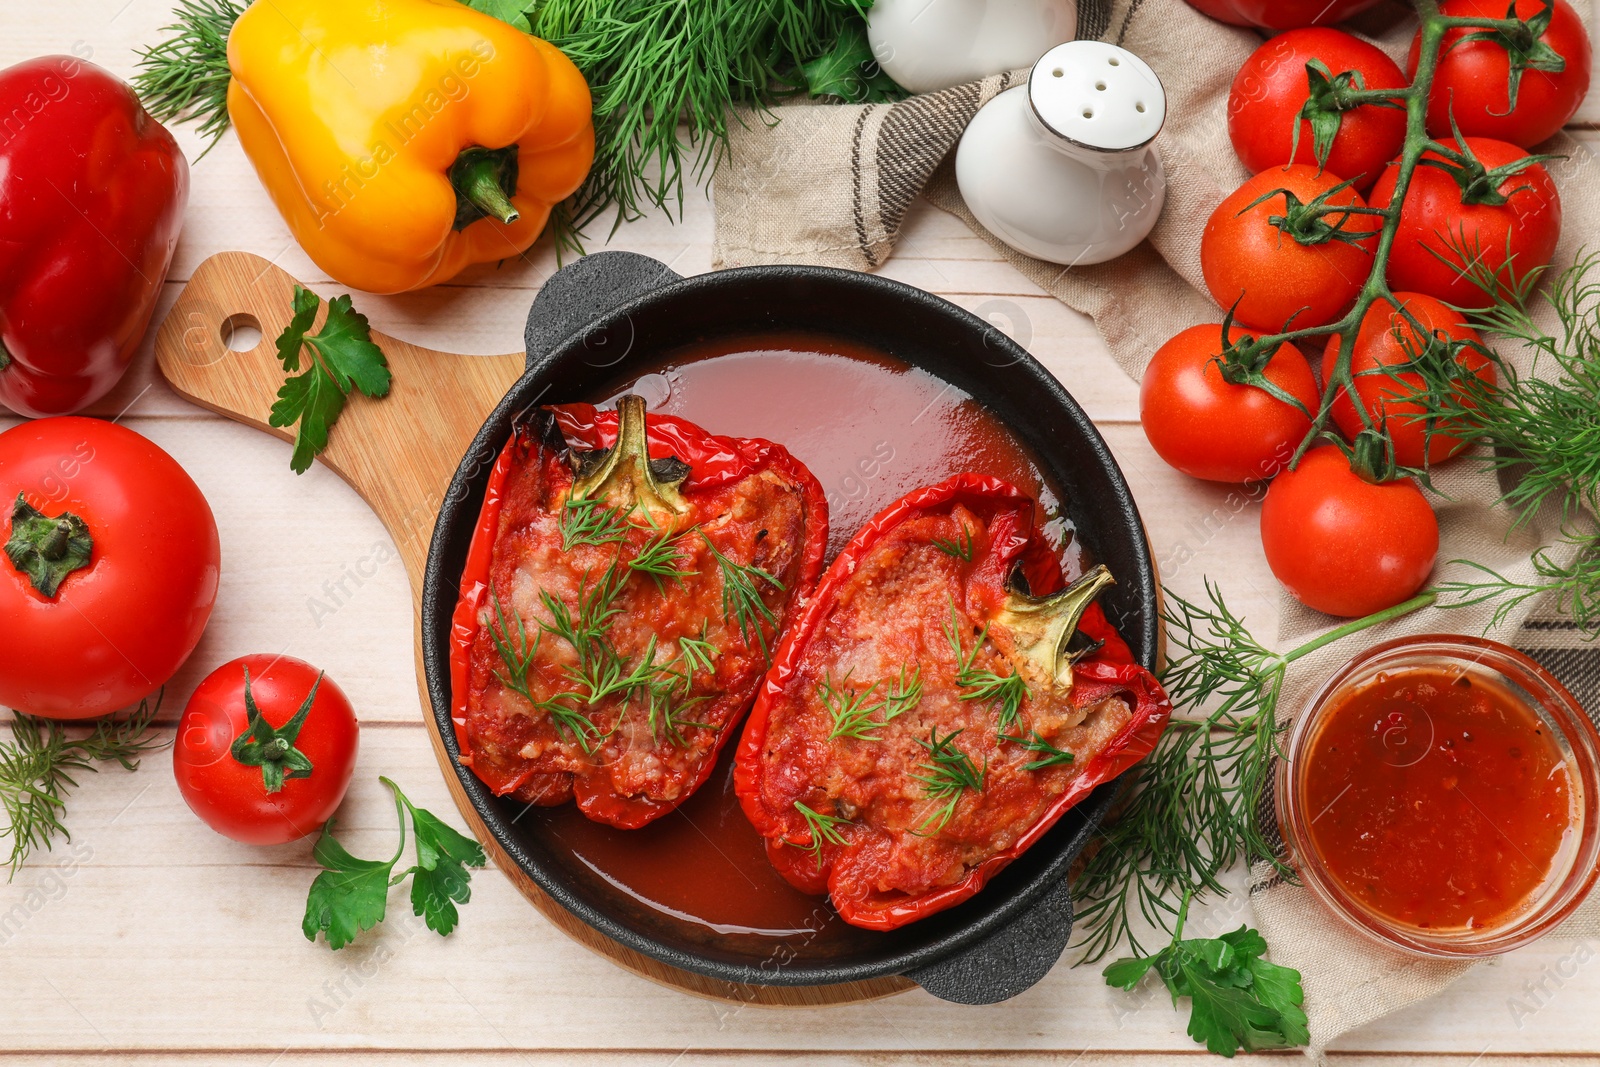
1493 206
1282 14
265 749
1477 83
1344 545
1272 90
110 567
1208 426
1267 254
1388 339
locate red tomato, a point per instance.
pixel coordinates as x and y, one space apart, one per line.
1342 545
1282 14
1271 275
1435 222
1272 87
1208 427
116 629
1382 342
1473 80
231 795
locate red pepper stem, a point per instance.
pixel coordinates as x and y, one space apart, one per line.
47 549
1043 626
627 468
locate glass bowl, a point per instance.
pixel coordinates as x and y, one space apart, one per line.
1577 860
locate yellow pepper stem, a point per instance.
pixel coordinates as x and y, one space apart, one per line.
484 179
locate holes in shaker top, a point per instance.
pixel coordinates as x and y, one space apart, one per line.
1114 61
1058 72
1088 112
1100 86
1139 107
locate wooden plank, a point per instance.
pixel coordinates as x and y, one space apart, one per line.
148 899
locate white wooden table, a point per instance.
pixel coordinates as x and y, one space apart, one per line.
151 939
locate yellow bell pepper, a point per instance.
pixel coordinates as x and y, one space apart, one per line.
403 140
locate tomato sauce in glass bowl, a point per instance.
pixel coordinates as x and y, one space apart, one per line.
1440 793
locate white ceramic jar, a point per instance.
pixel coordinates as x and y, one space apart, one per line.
926 45
1063 168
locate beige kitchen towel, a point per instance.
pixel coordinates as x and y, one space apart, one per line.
830 185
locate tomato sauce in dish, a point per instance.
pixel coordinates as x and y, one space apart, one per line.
870 428
1437 799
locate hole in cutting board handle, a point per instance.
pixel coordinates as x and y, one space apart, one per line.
241 332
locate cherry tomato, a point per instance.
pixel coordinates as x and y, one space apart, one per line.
1343 545
1473 80
226 775
1282 14
1272 87
1383 341
1272 276
1208 427
119 560
1436 222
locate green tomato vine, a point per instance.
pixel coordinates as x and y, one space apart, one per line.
1371 452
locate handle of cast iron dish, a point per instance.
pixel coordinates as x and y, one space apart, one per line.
578 294
1009 961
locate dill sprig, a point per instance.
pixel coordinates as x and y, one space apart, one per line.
985 685
38 763
1543 429
851 710
1192 803
854 713
960 547
186 75
742 603
588 521
653 64
516 651
950 773
824 830
662 559
1052 756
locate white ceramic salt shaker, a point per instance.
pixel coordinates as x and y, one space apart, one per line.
1063 168
926 45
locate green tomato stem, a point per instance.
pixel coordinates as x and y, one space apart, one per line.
1376 288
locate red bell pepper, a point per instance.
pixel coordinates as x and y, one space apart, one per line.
928 717
92 192
618 605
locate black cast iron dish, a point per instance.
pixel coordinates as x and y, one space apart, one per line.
607 311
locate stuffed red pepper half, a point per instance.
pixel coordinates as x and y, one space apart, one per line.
940 702
621 600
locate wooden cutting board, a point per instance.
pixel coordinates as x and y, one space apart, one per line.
399 454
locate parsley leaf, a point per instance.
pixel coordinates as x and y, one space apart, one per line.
352 895
341 357
511 12
1237 998
440 880
349 896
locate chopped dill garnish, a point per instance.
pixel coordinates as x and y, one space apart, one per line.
984 685
1053 756
661 558
824 830
741 598
587 521
515 650
852 712
950 774
960 548
904 695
